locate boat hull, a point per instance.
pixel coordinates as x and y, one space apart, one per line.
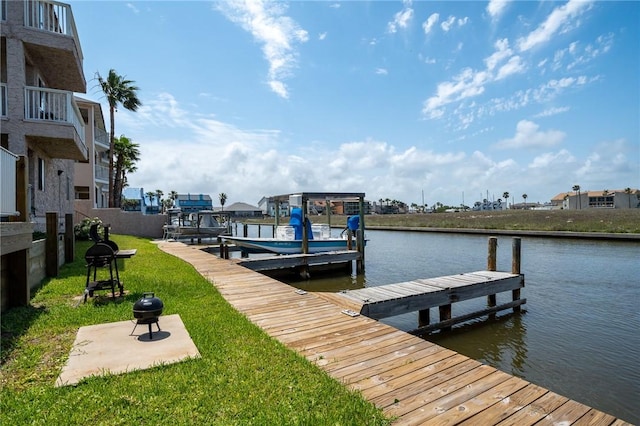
272 245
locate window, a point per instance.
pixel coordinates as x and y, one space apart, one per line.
82 192
41 173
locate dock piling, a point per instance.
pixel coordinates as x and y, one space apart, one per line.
492 265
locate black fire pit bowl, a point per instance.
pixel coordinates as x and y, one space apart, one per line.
147 310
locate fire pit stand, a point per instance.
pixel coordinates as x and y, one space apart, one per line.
147 310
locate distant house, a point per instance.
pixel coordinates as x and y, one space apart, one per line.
611 199
489 205
242 210
192 203
268 207
136 200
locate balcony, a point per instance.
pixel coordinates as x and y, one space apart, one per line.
54 122
101 138
51 41
102 173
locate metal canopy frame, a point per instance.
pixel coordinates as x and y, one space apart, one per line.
325 196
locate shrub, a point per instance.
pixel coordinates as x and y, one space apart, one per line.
81 230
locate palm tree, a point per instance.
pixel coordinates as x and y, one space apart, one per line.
159 195
151 196
576 188
173 196
223 199
628 192
117 90
126 153
524 197
505 195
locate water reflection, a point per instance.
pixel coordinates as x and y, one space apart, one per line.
500 342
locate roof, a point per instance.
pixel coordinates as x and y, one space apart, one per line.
600 193
242 207
194 197
320 196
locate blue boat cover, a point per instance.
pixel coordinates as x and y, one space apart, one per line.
296 222
353 223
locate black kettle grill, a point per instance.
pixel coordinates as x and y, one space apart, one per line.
147 310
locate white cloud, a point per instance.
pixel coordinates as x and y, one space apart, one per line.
382 71
496 8
552 111
133 8
556 22
528 135
401 19
446 25
322 36
276 32
432 20
514 66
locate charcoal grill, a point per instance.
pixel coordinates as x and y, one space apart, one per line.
98 256
147 310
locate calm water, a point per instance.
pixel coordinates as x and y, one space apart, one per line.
579 333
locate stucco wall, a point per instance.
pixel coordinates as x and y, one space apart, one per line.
126 223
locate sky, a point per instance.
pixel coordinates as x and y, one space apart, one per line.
415 101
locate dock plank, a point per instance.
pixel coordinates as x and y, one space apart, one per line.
403 375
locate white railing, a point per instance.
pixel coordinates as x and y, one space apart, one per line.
101 136
4 105
102 173
45 104
8 162
51 16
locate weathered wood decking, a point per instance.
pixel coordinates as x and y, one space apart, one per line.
407 377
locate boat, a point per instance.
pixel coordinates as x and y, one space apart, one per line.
202 224
289 239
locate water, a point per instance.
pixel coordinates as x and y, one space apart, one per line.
578 334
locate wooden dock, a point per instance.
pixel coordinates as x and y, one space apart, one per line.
300 260
411 379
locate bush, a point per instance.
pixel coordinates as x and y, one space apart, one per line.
81 230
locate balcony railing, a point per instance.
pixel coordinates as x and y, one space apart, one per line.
3 100
45 104
102 173
101 136
51 16
8 184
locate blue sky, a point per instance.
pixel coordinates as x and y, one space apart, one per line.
456 99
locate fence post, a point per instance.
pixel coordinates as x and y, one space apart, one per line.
69 239
51 245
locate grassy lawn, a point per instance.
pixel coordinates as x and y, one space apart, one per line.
588 220
243 378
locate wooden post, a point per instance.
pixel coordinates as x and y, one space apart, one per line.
277 211
445 314
423 317
491 265
19 292
51 245
327 206
245 230
349 239
305 234
515 268
69 239
360 237
259 230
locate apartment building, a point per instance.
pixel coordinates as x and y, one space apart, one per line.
91 183
40 69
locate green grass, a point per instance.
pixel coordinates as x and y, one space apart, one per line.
587 220
243 378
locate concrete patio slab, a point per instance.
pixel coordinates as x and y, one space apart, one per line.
115 348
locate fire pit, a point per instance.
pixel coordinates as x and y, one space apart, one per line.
147 310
